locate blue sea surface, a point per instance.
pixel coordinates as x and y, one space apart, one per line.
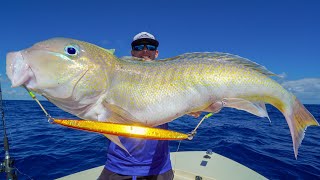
47 151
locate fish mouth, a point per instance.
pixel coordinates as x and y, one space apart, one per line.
22 70
18 70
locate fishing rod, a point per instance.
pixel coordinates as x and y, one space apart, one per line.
7 164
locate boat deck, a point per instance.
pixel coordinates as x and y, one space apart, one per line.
195 165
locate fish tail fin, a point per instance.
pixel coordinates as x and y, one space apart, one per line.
298 119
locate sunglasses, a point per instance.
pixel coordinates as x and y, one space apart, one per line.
140 47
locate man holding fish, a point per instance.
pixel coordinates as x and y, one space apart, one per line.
93 84
148 159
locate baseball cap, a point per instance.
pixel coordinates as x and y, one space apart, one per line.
144 38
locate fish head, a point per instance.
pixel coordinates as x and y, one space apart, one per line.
56 68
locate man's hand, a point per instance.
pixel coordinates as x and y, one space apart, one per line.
146 58
195 114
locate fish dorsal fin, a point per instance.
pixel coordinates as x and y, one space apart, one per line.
111 51
223 57
245 62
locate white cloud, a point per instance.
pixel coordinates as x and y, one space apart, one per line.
307 90
4 79
10 93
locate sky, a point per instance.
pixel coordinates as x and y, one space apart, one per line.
283 36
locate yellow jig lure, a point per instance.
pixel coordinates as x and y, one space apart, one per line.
122 129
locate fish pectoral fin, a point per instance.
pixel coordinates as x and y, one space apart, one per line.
116 140
256 108
119 115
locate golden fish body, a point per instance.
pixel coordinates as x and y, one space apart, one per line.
154 91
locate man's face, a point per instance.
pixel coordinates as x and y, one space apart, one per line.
145 52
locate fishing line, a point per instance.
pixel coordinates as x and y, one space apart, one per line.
178 146
175 159
191 135
24 174
50 119
194 131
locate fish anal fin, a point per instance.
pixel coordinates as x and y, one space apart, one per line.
256 108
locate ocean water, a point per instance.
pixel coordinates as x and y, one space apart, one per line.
47 151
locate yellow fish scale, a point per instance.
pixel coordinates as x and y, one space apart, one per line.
151 82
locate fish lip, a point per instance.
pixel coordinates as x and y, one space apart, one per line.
9 64
18 70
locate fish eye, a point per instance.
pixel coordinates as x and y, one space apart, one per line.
71 50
